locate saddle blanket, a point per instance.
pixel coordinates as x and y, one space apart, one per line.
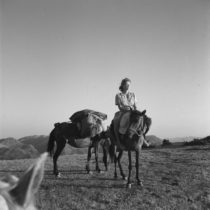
121 121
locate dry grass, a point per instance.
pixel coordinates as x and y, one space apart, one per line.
176 178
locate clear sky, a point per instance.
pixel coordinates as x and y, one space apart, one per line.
61 56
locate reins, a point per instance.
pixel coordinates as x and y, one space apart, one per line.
136 131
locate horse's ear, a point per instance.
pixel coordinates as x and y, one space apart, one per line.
144 112
29 183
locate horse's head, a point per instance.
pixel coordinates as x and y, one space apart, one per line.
136 124
18 194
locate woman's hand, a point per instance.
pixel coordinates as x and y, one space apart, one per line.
127 108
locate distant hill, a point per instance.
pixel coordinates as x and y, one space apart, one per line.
9 141
201 141
3 148
38 141
11 148
18 151
154 140
182 139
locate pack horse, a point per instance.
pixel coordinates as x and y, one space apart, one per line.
85 129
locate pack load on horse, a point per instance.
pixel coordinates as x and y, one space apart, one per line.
89 122
85 129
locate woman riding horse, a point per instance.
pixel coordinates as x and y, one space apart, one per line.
126 101
128 129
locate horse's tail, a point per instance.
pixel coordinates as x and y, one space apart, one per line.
51 143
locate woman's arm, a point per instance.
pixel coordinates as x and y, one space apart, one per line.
135 102
120 105
135 107
124 108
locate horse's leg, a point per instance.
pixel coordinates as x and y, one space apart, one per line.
60 145
115 163
105 152
96 157
139 182
129 168
88 159
120 166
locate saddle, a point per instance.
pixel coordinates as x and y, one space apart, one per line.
120 125
121 121
89 122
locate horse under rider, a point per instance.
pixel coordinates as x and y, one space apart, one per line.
125 100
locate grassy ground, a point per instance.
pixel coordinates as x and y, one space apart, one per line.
173 179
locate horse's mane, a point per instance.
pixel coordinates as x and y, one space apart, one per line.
137 112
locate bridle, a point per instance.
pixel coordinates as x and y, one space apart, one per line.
136 132
139 131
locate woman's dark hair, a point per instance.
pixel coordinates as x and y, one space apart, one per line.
123 82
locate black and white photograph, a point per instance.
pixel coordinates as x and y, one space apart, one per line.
104 104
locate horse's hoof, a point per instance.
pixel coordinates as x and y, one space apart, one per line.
58 175
115 176
139 183
129 186
125 178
